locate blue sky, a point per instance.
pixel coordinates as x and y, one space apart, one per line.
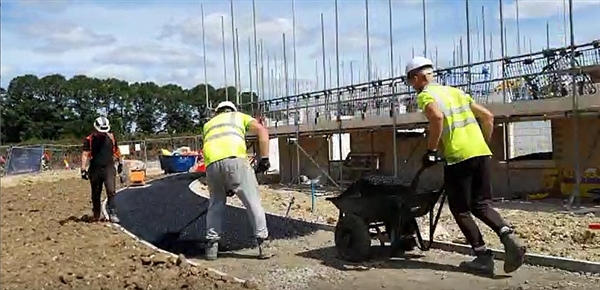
161 40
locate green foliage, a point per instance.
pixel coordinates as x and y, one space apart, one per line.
54 108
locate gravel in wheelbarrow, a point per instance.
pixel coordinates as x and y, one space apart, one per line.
375 202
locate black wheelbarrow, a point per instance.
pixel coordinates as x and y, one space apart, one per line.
384 208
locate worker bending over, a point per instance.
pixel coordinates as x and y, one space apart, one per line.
452 116
100 149
228 173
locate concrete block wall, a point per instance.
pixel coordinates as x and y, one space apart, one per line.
508 179
530 137
589 152
316 147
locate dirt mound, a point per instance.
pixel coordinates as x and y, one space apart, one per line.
48 242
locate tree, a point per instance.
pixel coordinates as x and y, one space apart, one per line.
55 108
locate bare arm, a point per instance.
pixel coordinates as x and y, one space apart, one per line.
85 157
86 152
436 125
486 118
263 137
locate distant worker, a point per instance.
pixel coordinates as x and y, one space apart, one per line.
452 116
228 173
100 149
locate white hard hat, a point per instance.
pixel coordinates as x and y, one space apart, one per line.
226 104
102 124
417 63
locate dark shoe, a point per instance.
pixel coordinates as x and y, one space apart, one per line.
96 216
112 216
212 251
483 263
514 252
265 250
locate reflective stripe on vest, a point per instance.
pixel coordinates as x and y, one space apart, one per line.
231 124
449 113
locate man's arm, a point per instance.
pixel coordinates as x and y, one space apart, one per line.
486 118
263 136
116 150
436 125
85 154
435 117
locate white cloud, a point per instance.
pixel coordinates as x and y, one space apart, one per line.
152 55
189 30
160 41
62 36
116 71
545 8
5 70
51 6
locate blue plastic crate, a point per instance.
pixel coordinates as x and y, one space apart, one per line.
176 164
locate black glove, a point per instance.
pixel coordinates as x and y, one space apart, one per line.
430 158
120 168
263 165
84 175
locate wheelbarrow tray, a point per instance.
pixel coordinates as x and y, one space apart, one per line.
384 201
375 201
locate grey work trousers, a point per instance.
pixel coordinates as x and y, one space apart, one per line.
233 174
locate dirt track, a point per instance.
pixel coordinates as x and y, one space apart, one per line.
47 244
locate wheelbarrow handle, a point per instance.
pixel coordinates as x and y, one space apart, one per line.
415 181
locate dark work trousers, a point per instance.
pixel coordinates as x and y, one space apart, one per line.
105 176
468 185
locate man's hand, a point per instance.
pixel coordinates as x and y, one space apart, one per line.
120 168
263 165
430 158
84 174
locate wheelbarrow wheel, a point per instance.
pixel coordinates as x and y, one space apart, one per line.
352 238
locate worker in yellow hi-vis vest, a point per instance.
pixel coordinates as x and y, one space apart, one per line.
452 116
228 173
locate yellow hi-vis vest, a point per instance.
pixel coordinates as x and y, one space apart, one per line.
462 137
224 136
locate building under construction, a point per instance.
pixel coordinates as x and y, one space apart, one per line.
385 129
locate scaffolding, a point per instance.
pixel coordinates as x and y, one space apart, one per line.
544 75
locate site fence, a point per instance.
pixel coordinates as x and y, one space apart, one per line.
20 159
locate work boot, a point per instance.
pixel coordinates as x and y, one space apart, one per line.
112 215
96 215
212 250
265 250
514 251
483 263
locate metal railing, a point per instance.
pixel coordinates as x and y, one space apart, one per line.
540 75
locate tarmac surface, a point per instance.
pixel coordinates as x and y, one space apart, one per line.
166 205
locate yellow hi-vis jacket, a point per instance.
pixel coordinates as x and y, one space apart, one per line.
462 137
224 136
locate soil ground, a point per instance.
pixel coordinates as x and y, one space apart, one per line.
546 228
49 243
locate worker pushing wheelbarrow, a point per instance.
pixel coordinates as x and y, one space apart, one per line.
454 120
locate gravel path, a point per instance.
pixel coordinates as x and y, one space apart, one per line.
309 262
544 228
305 257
